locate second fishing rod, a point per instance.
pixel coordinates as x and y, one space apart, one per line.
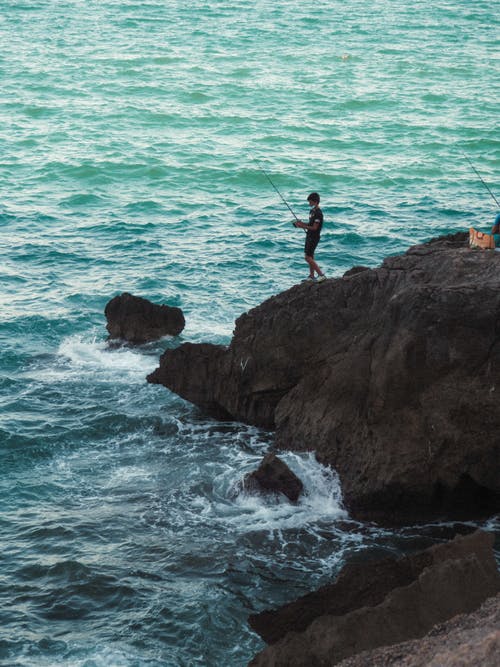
481 179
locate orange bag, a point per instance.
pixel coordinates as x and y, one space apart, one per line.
480 240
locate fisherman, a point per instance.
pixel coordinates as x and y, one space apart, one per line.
495 230
313 233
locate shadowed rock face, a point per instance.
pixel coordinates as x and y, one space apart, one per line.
358 585
273 475
392 375
137 320
467 640
380 604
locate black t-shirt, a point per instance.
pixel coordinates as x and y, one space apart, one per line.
315 216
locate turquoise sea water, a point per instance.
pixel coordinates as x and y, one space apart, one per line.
128 138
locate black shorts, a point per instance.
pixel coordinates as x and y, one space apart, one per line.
310 245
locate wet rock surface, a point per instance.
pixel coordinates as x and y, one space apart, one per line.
392 375
273 476
137 320
380 604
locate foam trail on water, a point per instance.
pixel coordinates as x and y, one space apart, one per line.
89 356
100 656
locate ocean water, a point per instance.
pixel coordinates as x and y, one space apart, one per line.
131 135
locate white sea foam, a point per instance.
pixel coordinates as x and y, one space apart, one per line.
126 476
321 499
93 355
103 656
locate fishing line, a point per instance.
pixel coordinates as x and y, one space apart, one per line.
482 181
389 177
270 181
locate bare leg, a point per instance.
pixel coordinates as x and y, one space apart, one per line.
313 266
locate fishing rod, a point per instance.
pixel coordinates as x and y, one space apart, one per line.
480 178
270 181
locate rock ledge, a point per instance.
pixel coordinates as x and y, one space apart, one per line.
391 602
393 374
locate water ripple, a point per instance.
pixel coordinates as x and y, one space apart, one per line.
128 135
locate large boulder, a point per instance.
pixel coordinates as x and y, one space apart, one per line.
391 602
392 375
137 320
273 476
467 640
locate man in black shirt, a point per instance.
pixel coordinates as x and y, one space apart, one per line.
313 229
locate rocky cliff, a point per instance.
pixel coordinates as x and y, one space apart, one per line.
391 375
393 601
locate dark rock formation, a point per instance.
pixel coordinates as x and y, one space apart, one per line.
467 640
137 320
382 606
357 585
273 475
392 375
354 270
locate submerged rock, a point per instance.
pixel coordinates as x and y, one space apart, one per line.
137 320
379 604
392 375
273 475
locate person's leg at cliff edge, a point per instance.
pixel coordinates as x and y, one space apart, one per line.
313 234
495 230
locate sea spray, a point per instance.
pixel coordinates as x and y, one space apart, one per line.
90 355
320 501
